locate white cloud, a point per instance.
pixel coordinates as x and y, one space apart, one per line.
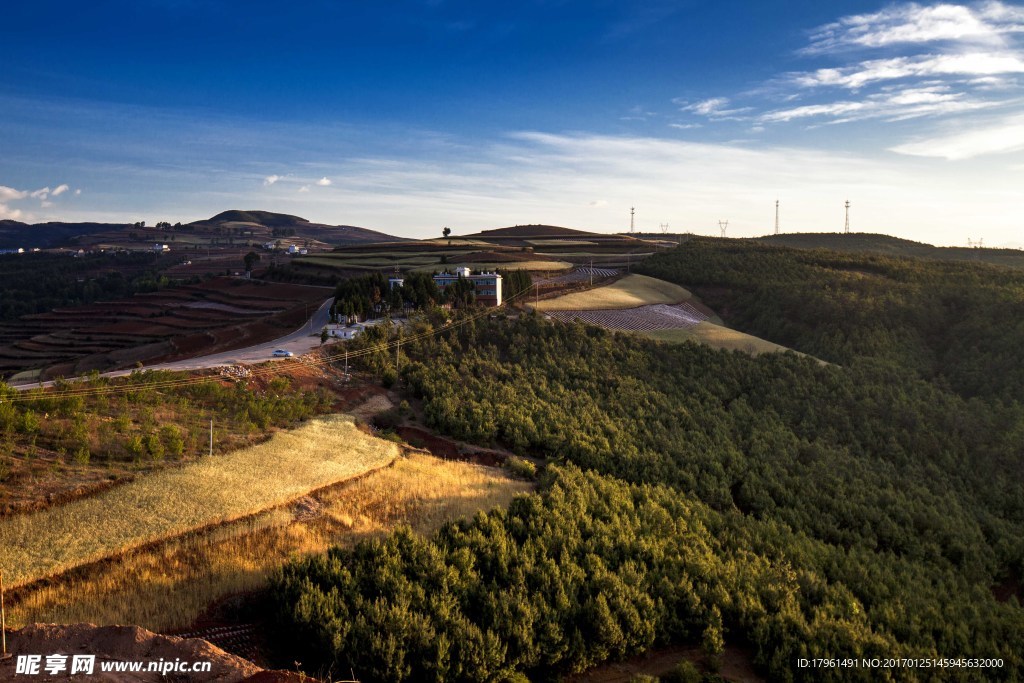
598 203
7 213
890 105
1000 138
59 190
78 192
324 182
684 126
977 64
715 108
40 194
912 23
271 179
304 188
9 193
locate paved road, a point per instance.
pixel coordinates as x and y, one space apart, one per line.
301 341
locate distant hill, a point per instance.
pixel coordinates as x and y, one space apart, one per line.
335 235
261 224
14 234
535 231
894 246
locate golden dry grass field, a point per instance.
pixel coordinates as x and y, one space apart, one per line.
718 337
169 586
628 292
171 502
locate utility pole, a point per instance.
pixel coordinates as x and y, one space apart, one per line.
3 621
211 438
632 211
846 228
398 349
591 272
776 216
346 362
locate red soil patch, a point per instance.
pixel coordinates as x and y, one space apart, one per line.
440 447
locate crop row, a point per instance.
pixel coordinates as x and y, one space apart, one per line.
654 317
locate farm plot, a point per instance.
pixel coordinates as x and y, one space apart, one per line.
629 292
641 318
578 275
171 502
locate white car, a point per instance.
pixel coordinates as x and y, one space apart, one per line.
281 353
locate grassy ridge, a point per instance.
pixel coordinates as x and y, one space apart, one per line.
169 586
628 292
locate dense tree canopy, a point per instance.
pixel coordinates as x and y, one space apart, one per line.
864 509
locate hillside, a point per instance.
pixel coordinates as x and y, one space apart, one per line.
15 235
270 224
894 246
693 497
531 231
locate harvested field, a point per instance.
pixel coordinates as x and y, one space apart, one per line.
629 292
215 490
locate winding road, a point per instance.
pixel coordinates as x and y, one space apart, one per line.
301 341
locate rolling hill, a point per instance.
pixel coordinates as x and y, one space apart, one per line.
252 224
894 246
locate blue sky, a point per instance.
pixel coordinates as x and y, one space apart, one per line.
409 116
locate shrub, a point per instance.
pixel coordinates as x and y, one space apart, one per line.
522 468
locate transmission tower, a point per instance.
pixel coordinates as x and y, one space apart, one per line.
632 211
776 216
664 228
977 246
846 228
723 225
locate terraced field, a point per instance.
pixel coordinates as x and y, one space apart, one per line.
216 315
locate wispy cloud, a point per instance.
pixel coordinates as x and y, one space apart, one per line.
894 105
271 179
907 24
1006 135
324 182
714 108
907 61
59 190
976 64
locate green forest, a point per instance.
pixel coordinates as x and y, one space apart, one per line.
869 507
